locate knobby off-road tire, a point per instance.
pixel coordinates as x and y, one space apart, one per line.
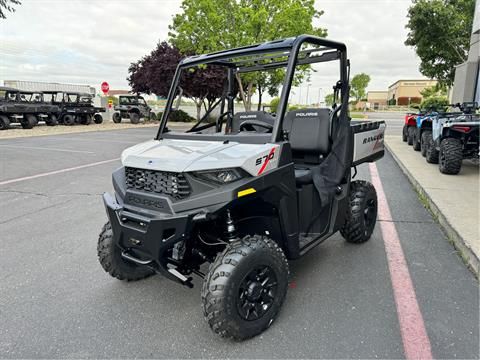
86 119
97 119
431 153
451 156
362 213
68 120
404 133
51 120
117 119
4 122
134 118
111 259
424 141
28 121
410 132
245 287
416 140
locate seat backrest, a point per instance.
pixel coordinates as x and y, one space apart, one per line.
240 117
308 133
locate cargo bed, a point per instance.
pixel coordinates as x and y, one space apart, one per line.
368 141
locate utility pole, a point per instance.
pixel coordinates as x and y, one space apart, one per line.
308 87
319 92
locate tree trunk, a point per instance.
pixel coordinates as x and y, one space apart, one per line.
248 102
260 93
240 90
198 105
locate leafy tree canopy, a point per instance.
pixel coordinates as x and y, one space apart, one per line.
439 30
210 25
7 5
358 85
329 100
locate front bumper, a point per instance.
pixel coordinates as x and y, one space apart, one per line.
147 238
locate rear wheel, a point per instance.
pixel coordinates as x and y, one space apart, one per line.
404 133
416 140
362 212
110 257
424 140
410 132
68 120
152 116
245 287
134 118
28 121
431 152
86 119
116 118
51 120
97 118
451 156
4 122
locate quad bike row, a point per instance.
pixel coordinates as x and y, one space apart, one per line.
52 107
445 138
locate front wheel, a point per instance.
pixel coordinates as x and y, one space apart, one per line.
69 120
416 140
4 122
424 141
28 121
410 133
362 212
431 152
404 133
134 118
97 119
110 257
116 118
245 287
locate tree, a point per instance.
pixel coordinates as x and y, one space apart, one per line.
435 90
6 5
358 86
154 74
212 25
439 30
329 99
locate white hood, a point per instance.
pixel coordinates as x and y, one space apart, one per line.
194 155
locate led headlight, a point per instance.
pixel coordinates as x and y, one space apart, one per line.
221 176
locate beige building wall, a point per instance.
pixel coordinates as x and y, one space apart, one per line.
408 88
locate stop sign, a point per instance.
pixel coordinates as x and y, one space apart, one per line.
105 87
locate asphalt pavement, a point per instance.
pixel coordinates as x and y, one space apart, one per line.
57 302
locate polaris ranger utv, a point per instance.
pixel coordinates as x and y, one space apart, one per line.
244 193
132 107
454 137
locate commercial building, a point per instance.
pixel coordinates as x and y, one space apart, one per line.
466 86
405 92
377 99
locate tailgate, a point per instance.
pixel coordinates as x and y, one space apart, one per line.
368 141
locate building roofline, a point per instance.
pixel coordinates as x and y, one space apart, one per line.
411 80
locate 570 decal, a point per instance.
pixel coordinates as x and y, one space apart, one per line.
264 159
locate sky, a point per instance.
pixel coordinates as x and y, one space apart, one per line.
91 41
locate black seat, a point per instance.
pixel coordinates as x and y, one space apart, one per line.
309 136
263 116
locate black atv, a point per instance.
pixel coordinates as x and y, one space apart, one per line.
75 108
25 107
133 107
245 193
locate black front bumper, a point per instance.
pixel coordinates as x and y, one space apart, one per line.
146 238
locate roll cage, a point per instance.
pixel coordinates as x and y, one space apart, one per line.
285 53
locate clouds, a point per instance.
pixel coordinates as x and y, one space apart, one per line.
90 41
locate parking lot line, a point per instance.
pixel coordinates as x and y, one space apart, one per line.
12 181
45 148
416 343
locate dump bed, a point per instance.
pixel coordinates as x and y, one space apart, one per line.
368 141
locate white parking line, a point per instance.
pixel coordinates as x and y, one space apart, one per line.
11 181
46 148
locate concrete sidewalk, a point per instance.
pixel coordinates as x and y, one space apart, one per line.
453 199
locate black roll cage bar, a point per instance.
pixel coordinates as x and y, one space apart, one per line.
287 54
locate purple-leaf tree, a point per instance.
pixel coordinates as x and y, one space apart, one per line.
153 74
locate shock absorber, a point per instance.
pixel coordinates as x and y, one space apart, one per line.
231 230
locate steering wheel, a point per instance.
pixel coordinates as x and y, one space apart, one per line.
248 125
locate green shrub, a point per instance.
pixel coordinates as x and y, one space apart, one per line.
180 116
159 115
274 104
438 103
294 107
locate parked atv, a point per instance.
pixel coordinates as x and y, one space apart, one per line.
132 107
245 193
24 107
75 108
409 127
454 137
421 130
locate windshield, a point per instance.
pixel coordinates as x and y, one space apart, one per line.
71 98
131 100
26 97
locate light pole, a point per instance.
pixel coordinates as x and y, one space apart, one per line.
319 92
308 87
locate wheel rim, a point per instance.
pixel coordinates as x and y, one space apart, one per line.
370 214
256 293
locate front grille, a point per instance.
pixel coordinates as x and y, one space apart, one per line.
161 182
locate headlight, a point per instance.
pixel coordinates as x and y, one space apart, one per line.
221 176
